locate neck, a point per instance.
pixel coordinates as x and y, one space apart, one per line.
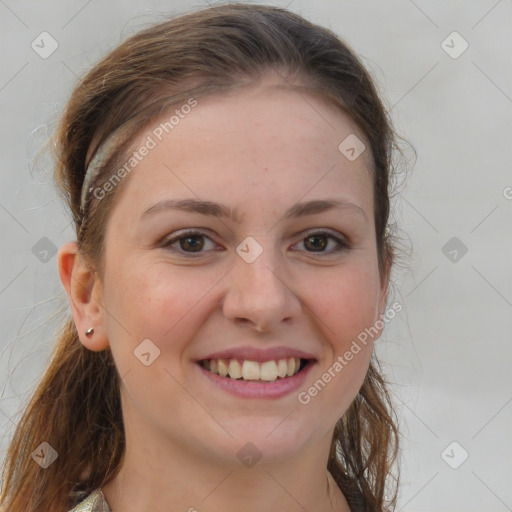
159 477
270 490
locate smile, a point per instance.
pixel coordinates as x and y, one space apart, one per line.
256 379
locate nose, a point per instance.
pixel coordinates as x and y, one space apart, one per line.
260 293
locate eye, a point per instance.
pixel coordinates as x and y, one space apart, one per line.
196 243
318 241
188 242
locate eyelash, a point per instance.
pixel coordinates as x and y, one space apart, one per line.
166 244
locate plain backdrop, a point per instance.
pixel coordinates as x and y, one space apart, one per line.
444 70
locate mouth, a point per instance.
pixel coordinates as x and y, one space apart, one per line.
261 371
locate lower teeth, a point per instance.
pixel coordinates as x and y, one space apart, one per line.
258 380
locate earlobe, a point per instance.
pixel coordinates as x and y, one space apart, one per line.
380 310
383 300
84 294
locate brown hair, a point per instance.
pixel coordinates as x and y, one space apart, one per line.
76 407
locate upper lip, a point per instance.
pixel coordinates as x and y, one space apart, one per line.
258 354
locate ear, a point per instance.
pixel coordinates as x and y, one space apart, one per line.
380 308
385 276
84 290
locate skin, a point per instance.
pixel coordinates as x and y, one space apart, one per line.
261 149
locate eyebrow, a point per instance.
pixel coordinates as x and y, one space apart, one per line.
220 210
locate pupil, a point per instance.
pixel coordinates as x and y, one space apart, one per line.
317 245
195 245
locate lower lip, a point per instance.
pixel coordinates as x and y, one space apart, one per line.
259 389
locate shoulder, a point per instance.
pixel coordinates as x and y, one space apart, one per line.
95 502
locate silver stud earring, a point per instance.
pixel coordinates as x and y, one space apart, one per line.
89 332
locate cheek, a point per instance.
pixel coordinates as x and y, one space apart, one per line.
346 303
159 303
345 311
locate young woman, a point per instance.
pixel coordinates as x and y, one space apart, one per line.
228 173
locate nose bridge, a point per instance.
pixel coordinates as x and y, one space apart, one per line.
258 264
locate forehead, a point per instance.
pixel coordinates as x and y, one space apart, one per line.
259 144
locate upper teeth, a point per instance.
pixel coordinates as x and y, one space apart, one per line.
253 370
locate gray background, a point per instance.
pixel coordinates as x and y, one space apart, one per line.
449 352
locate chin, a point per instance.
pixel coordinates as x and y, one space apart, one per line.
270 440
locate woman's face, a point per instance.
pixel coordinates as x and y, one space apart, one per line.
267 283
